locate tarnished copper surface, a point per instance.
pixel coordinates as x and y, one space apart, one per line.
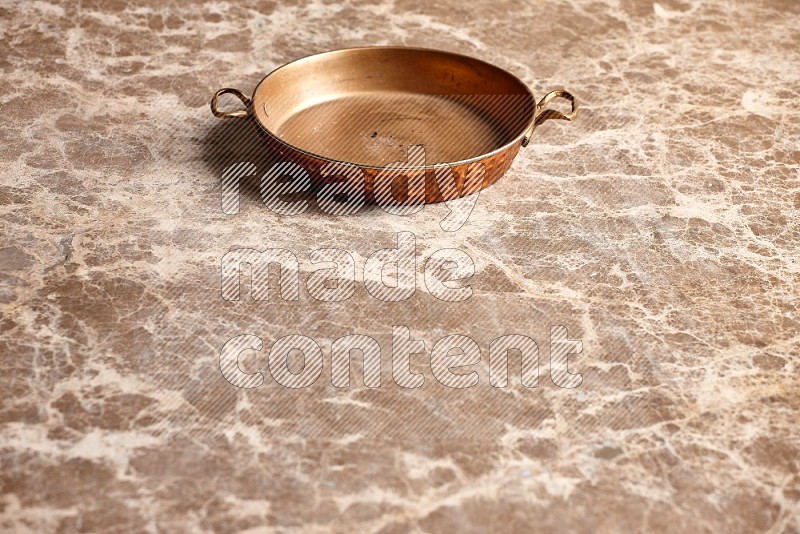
367 106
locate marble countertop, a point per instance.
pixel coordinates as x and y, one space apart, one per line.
661 229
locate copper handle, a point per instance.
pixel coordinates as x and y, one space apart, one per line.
239 113
541 115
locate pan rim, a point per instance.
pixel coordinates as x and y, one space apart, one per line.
395 166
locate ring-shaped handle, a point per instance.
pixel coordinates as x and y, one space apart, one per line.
239 113
543 115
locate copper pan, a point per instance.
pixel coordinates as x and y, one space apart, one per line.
394 124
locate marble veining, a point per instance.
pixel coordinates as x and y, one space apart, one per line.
661 228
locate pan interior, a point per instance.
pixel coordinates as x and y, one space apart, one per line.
369 105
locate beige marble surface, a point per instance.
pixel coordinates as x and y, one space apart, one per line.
661 229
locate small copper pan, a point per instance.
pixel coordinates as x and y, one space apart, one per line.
405 125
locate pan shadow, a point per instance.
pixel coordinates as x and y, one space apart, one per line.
237 141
